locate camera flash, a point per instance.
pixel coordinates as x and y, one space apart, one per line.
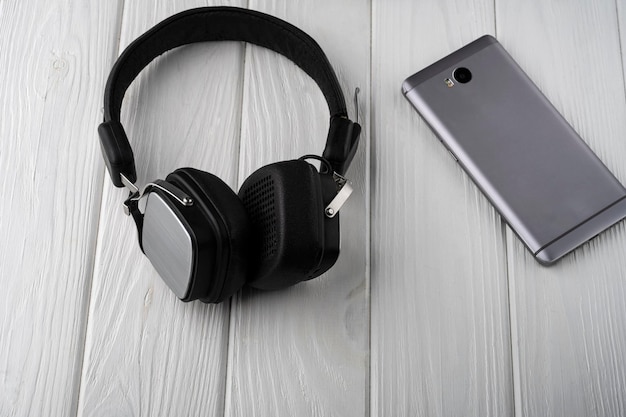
449 82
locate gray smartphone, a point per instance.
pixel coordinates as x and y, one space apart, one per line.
542 178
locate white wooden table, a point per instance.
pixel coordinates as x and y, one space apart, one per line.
434 307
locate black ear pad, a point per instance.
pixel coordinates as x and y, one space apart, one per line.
295 241
227 218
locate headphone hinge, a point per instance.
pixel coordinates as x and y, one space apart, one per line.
132 197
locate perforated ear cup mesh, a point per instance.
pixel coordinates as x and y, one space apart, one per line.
224 212
285 203
259 200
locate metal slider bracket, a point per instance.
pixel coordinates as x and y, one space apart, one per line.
135 195
129 185
344 189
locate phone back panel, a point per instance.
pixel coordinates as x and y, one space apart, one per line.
539 174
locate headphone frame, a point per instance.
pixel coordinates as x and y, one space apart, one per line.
195 208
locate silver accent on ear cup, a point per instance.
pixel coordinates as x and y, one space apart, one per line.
164 238
345 189
167 244
170 189
136 196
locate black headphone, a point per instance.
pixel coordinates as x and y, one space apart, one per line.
205 241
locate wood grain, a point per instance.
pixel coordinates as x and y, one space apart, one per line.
303 351
50 182
88 328
568 330
148 354
440 324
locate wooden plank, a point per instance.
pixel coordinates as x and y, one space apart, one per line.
147 353
440 324
303 351
569 336
621 16
50 180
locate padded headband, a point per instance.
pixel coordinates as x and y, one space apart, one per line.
220 24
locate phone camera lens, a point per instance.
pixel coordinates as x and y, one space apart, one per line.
462 75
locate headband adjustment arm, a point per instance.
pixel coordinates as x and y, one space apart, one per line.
117 152
342 142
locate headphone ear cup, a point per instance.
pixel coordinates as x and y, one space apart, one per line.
226 215
294 240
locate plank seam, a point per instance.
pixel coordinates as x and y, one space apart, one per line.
226 410
243 87
232 308
621 46
513 336
372 399
495 19
368 215
511 305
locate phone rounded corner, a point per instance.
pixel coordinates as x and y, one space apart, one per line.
407 86
488 38
544 258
